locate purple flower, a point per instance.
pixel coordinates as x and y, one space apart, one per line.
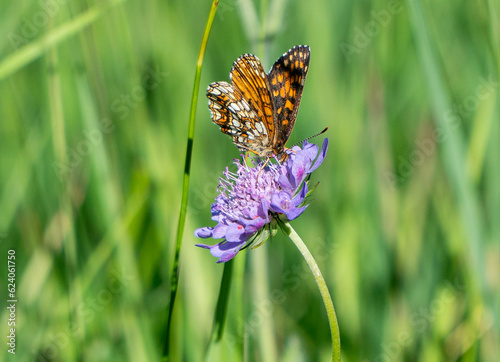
254 197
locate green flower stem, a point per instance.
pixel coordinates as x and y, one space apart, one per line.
174 276
325 294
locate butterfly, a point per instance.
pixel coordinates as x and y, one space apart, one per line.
259 110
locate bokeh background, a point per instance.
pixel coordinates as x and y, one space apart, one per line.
94 110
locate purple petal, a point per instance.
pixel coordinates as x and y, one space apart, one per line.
219 231
286 207
280 201
284 182
310 151
302 163
252 226
299 198
225 251
214 210
204 232
295 212
263 210
284 204
321 156
298 172
234 232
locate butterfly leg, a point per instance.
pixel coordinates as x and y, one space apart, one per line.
247 154
264 165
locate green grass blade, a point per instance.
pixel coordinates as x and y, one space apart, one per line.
222 302
453 149
494 13
174 276
32 51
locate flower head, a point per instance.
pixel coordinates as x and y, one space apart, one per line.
254 197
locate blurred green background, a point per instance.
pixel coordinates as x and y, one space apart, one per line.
94 104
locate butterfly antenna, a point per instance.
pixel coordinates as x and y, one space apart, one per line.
308 138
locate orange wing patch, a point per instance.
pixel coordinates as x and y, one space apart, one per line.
248 76
286 79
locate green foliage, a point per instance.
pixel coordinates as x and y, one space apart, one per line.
404 223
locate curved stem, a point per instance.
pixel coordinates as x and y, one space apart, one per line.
325 294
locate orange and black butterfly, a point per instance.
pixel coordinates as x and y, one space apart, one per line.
257 109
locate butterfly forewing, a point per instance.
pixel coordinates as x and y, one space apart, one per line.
235 117
286 82
248 76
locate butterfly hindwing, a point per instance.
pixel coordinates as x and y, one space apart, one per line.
235 117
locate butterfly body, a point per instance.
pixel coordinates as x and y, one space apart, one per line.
259 110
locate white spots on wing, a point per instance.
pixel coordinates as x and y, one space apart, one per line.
250 136
234 107
236 123
265 131
246 106
216 105
216 116
258 127
215 91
